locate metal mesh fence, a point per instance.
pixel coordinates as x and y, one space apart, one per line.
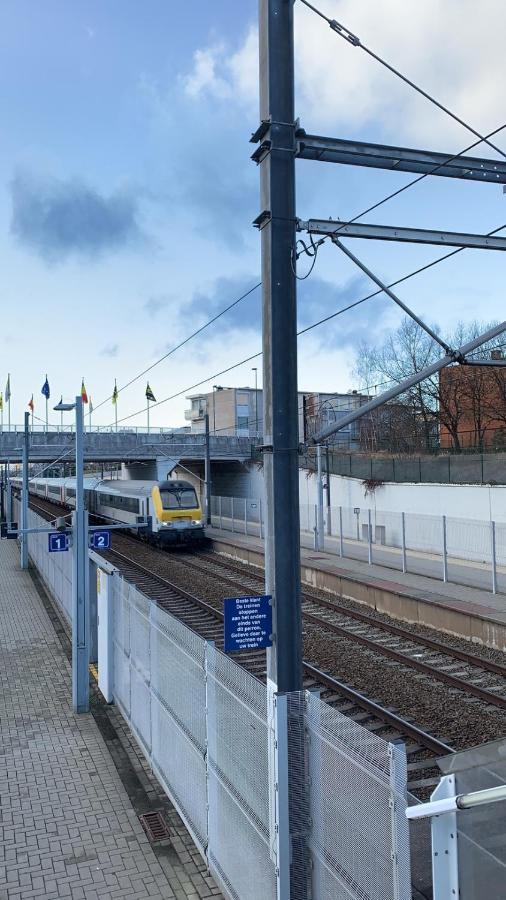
238 780
357 834
410 542
202 722
55 569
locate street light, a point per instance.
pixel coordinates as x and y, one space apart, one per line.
80 585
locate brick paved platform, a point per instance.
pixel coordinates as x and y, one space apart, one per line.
67 825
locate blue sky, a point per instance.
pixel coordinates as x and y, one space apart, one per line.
127 192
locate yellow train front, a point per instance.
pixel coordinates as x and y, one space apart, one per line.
177 513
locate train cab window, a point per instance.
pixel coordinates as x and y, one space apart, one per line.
179 499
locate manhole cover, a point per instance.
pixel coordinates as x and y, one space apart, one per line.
155 827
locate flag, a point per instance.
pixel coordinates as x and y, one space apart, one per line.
84 395
115 393
91 407
8 389
31 404
1 402
149 394
45 389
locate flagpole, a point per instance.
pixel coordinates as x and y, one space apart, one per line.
116 414
47 417
89 413
148 416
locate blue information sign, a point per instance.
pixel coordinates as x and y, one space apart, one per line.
57 541
248 623
100 540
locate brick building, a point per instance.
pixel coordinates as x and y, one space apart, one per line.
473 406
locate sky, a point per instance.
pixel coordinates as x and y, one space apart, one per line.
127 193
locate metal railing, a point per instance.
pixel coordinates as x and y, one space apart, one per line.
467 816
471 552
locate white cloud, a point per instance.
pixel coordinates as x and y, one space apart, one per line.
450 51
203 78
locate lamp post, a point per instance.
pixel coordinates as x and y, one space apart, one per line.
215 388
80 575
255 370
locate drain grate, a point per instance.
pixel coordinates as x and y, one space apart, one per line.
155 827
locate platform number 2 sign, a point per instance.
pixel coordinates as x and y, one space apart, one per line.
100 540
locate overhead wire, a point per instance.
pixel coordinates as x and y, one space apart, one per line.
181 344
355 41
302 331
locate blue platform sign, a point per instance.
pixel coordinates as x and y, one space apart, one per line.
57 541
100 540
248 623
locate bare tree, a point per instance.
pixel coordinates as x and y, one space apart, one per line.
449 398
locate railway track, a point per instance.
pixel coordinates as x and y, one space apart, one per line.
206 619
466 672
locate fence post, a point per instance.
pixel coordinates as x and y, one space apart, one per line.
399 823
403 531
445 864
369 536
282 818
210 731
315 529
341 542
445 557
494 558
219 512
245 516
232 504
261 523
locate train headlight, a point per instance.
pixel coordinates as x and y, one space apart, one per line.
196 521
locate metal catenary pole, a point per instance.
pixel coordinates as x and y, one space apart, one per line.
207 471
24 493
279 305
80 585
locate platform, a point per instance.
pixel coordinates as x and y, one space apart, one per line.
472 613
68 826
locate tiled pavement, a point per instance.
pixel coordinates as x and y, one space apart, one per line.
67 825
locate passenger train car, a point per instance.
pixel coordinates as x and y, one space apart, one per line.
171 508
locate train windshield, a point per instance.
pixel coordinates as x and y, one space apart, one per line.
179 499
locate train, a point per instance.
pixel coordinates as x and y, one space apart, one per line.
171 508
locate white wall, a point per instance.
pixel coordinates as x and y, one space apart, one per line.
467 501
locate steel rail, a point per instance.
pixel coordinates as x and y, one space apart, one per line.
445 649
422 737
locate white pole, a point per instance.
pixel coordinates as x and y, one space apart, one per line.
47 417
403 529
445 556
319 516
148 415
494 557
